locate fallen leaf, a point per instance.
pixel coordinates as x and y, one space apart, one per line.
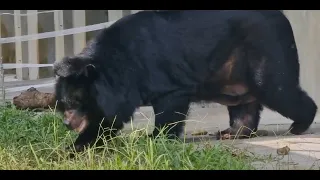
283 151
199 133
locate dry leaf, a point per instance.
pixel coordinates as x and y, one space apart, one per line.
199 133
283 151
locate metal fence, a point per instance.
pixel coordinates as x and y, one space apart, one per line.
30 61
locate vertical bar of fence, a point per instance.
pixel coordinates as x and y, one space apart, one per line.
18 44
2 82
2 69
33 53
59 40
114 15
78 20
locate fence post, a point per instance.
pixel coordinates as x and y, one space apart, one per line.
3 93
33 55
1 69
59 40
114 15
18 44
78 20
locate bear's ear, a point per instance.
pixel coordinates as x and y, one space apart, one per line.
90 71
72 66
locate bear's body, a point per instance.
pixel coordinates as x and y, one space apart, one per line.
242 59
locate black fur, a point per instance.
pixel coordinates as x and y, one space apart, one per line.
169 58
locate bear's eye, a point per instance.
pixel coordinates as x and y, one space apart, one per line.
70 103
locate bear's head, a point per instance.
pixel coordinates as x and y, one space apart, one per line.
73 91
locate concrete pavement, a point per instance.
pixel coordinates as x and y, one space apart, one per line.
304 149
304 152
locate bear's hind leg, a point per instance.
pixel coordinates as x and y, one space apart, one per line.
293 103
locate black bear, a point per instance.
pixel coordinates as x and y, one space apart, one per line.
242 59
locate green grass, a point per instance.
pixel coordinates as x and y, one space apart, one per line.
32 141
